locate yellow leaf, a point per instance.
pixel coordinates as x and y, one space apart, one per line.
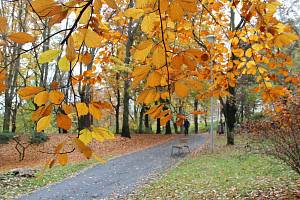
248 53
143 50
83 148
106 134
41 98
158 57
154 79
86 136
95 112
48 56
70 50
175 11
134 13
63 121
285 39
99 159
62 159
65 65
21 37
3 25
29 91
91 39
111 3
238 52
98 136
43 123
181 90
82 109
149 22
251 64
86 15
56 97
257 47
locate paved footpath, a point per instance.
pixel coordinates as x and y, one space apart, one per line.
116 178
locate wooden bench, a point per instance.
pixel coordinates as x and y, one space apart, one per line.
183 144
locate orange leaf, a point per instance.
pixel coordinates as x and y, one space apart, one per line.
83 148
67 108
62 159
63 121
3 24
21 37
56 97
29 91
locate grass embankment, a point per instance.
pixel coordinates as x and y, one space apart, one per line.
15 186
228 173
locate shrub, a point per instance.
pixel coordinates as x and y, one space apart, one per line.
257 116
38 138
5 137
279 134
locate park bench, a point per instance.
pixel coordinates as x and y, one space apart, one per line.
181 146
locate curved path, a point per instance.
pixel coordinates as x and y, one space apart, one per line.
116 178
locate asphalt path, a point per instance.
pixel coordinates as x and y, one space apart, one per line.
117 177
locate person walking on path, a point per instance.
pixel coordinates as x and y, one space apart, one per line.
186 125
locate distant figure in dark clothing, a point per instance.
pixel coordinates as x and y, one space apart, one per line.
221 127
186 125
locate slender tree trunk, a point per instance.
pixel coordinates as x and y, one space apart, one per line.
180 109
168 127
175 127
141 119
158 129
117 109
196 116
147 124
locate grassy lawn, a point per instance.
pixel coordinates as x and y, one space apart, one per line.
226 174
14 186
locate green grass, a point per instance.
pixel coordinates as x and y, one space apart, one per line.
55 174
227 174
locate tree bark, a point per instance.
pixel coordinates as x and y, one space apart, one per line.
117 108
158 129
168 127
141 119
196 116
147 124
229 110
130 33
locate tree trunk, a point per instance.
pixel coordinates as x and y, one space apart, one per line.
175 127
168 127
229 110
117 108
130 34
158 129
180 109
141 119
125 126
147 124
196 116
7 114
